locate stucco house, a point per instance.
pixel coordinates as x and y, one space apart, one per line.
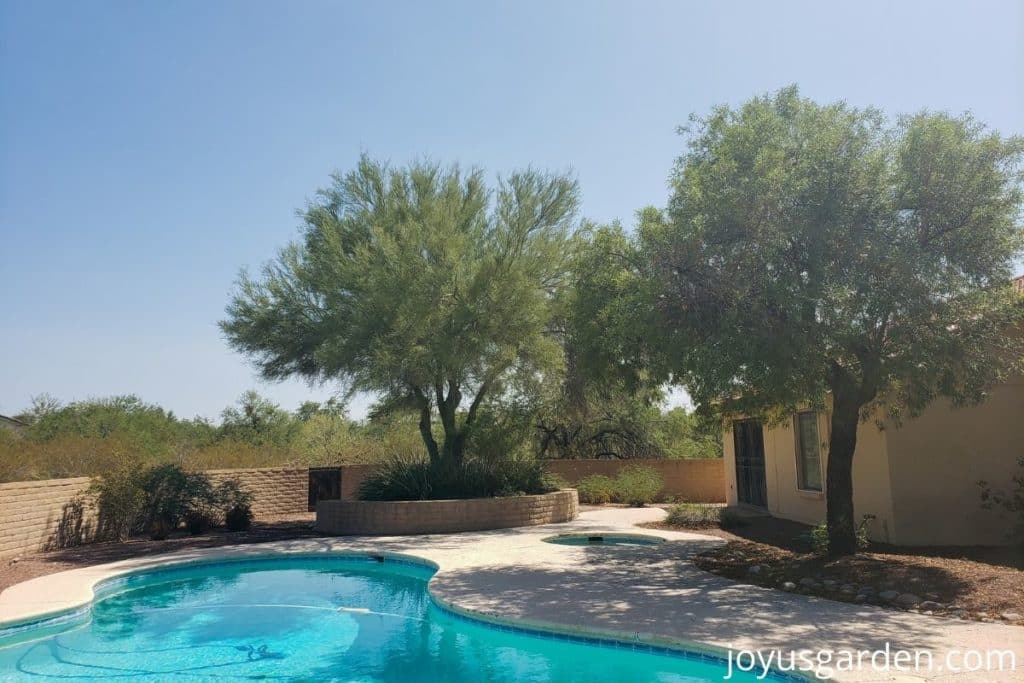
919 480
12 424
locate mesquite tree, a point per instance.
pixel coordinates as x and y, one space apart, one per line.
819 254
419 284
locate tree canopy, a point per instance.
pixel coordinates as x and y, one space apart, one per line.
821 254
420 284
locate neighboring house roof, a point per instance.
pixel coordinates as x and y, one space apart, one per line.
13 422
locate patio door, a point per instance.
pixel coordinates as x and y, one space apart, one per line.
748 439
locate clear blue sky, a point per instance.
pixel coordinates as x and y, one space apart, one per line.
148 150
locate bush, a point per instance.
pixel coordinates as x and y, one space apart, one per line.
596 489
695 515
417 479
236 503
238 518
819 536
730 519
172 495
119 499
158 499
638 486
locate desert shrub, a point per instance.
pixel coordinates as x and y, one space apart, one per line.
397 478
239 518
638 486
694 515
730 519
236 505
131 498
119 499
401 478
819 536
596 489
171 494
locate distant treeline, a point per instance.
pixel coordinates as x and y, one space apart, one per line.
84 438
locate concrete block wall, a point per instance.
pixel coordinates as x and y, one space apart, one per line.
276 491
31 514
698 480
39 515
398 518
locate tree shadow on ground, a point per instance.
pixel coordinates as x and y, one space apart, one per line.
660 591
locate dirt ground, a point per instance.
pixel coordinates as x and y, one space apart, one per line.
979 583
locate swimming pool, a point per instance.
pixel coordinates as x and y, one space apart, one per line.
341 618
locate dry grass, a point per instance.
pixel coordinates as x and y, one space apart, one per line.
24 459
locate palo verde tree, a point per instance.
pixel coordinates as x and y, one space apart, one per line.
419 284
819 254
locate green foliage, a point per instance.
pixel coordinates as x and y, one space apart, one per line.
815 250
82 438
832 248
148 427
638 486
421 479
130 498
418 284
1007 502
606 405
171 494
682 434
694 515
119 499
238 518
730 519
236 505
819 536
258 421
596 489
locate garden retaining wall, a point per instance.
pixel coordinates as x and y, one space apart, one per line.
399 518
694 480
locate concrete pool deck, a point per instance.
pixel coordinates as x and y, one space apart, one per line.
653 593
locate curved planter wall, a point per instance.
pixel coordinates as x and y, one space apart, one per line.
398 518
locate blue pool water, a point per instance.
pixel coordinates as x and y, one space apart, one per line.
339 619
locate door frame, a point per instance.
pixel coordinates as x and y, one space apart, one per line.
750 467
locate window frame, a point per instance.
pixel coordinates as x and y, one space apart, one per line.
801 485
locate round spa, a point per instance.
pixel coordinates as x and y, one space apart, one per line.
599 539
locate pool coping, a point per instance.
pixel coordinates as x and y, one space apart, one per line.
104 588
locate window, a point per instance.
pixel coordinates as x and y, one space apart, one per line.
808 452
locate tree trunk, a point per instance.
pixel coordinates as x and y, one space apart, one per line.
426 432
454 441
842 536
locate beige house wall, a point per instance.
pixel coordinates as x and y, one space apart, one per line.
787 501
919 480
937 459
